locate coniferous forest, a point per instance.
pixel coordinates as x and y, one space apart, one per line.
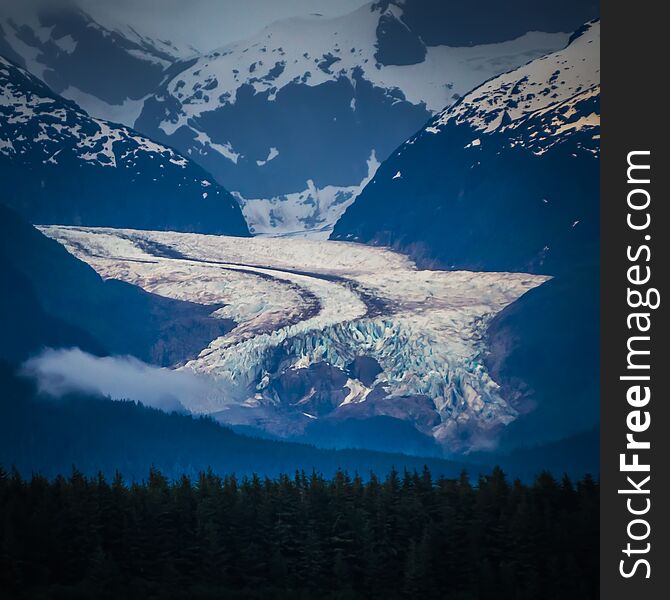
403 536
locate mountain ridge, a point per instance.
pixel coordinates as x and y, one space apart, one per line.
62 166
64 46
482 168
295 130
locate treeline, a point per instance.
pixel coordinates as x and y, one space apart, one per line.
406 536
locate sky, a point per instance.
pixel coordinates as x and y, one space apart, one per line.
208 24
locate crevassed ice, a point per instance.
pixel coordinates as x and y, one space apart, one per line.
299 302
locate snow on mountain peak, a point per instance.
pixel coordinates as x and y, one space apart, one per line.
326 94
339 47
65 47
483 167
33 118
541 83
64 166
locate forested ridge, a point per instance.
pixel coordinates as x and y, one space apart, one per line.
303 536
43 435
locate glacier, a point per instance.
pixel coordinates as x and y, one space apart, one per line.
303 304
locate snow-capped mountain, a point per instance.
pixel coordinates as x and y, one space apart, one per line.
106 70
295 118
505 179
59 165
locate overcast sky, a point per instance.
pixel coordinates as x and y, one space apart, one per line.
207 24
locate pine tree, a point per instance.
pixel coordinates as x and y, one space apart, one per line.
301 537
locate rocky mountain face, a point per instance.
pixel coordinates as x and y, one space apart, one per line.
297 118
506 179
107 71
435 22
544 352
59 165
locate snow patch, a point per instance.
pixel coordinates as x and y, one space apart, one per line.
225 150
272 154
311 212
445 74
534 86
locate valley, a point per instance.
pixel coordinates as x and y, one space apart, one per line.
243 218
300 304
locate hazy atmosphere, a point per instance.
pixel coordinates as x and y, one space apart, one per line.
202 24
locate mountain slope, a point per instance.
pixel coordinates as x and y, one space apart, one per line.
58 165
27 327
435 22
106 71
506 179
39 435
544 352
296 118
55 300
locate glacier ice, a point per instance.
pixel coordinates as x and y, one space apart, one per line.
299 303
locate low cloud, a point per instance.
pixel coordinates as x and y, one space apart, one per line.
64 371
